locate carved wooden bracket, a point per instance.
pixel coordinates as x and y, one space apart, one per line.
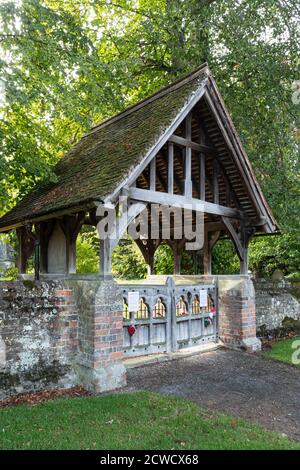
240 234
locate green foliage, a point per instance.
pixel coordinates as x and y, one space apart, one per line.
225 259
163 260
295 275
265 255
277 252
87 260
127 261
10 274
67 65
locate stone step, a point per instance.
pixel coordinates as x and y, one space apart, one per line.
140 361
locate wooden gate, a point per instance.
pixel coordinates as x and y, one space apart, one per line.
169 317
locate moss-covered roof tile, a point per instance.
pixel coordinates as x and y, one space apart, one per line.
101 160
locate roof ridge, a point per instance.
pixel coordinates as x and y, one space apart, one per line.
161 92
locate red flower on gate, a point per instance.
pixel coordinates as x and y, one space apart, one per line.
131 330
213 310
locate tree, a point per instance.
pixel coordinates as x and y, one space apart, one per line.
68 64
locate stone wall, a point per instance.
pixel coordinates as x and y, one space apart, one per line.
63 333
38 336
6 255
276 300
60 334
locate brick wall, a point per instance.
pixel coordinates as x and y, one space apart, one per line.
100 335
237 318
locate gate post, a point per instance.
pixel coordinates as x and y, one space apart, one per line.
100 337
237 316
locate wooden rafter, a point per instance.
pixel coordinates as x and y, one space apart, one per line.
230 192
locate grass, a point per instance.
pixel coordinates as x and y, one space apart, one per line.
283 351
139 420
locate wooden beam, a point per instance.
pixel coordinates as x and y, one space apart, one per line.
188 188
152 184
206 256
214 226
216 182
182 201
176 182
70 210
182 142
202 165
46 229
247 233
177 247
105 258
214 238
170 168
209 243
25 249
188 126
162 182
71 225
202 176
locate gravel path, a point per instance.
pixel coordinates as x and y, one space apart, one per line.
249 386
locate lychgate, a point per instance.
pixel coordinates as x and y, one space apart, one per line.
169 170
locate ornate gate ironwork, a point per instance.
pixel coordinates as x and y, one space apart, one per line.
169 317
